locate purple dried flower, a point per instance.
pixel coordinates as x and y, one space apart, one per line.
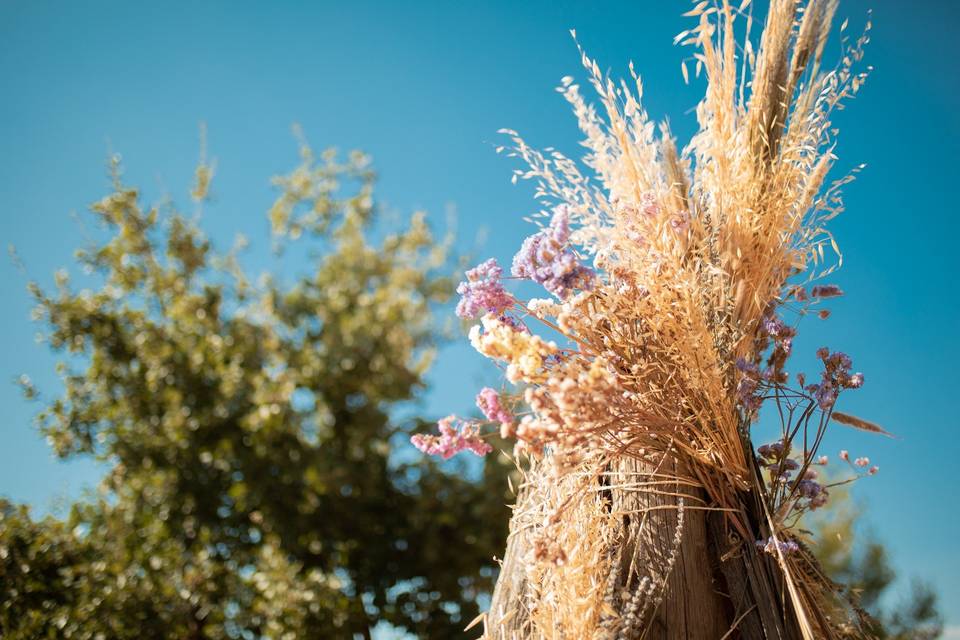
482 292
513 323
773 450
747 394
777 328
784 469
782 334
841 359
826 291
825 395
819 500
771 544
544 258
747 387
836 376
809 489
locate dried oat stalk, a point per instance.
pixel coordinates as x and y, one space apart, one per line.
674 278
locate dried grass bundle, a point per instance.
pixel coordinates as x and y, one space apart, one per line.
645 511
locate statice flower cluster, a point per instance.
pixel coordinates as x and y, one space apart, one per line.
782 470
782 336
748 388
812 491
774 449
483 291
775 456
774 330
546 258
489 402
453 439
770 546
793 481
836 376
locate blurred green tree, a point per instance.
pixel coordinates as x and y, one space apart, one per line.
865 568
257 485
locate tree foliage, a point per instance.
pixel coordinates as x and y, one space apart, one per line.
257 484
863 564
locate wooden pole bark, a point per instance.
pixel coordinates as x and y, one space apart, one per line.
711 585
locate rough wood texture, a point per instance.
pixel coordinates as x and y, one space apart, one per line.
692 606
507 618
715 583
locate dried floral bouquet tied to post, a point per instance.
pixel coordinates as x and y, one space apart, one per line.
674 282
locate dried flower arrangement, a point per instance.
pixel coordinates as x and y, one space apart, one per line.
677 281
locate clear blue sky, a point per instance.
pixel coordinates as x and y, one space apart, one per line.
424 87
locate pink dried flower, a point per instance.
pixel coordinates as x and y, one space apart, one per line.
681 222
488 401
648 204
822 460
823 314
845 455
872 471
862 462
452 440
